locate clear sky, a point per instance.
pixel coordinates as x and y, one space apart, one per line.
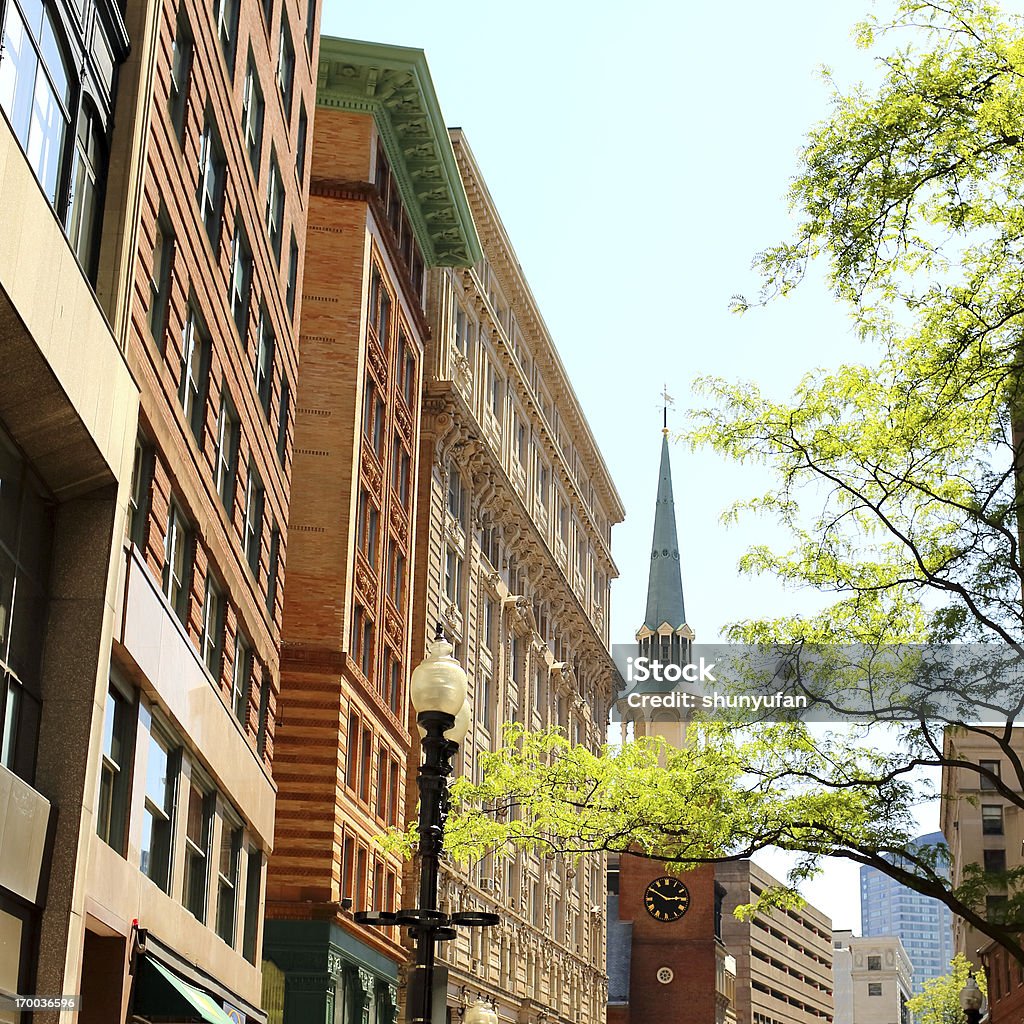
639 155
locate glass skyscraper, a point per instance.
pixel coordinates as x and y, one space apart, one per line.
924 925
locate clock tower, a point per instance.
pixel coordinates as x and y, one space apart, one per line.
666 960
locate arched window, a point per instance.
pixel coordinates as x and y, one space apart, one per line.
87 177
36 89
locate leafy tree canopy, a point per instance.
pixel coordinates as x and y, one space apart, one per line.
939 1003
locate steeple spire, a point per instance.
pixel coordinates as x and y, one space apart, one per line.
665 582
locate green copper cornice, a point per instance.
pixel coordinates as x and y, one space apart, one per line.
393 84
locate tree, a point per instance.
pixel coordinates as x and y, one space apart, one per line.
899 480
939 1002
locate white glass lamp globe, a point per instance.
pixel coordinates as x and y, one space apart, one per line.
970 995
480 1013
438 683
457 733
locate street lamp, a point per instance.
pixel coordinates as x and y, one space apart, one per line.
438 691
971 999
480 1012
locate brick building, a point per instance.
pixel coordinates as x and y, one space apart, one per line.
513 527
386 203
173 338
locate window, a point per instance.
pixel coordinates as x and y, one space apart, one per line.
178 558
393 794
542 481
226 454
88 176
301 136
396 573
198 837
351 761
253 885
366 647
293 276
212 173
367 526
158 812
401 463
874 988
181 73
393 682
456 497
494 390
993 768
991 819
160 279
310 24
36 91
453 576
115 770
285 67
263 371
241 279
490 623
462 332
212 641
282 420
365 760
380 308
194 379
241 676
227 879
382 778
275 208
225 14
142 480
486 699
995 861
874 963
996 909
272 569
253 108
373 418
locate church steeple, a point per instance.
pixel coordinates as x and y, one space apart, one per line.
664 634
665 582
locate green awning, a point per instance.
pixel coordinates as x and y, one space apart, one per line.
162 995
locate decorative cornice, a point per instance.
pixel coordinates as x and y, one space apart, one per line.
393 84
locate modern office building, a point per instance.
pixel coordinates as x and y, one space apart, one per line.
981 825
154 173
783 957
386 203
68 410
924 925
514 519
872 979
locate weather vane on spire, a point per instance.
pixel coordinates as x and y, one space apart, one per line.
667 400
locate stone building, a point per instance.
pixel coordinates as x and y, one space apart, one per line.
513 527
783 957
873 979
154 178
386 202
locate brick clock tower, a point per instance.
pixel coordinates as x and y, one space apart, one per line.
666 960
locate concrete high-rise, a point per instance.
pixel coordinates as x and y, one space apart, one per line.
923 925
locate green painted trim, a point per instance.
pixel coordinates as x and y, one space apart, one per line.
393 84
304 946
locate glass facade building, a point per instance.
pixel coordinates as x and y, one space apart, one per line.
924 925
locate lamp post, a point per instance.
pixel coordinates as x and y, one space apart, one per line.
438 691
971 1000
481 1012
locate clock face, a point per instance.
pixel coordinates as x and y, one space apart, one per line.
667 899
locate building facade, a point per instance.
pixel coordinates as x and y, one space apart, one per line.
386 203
68 409
514 520
983 826
198 269
924 925
783 957
873 979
